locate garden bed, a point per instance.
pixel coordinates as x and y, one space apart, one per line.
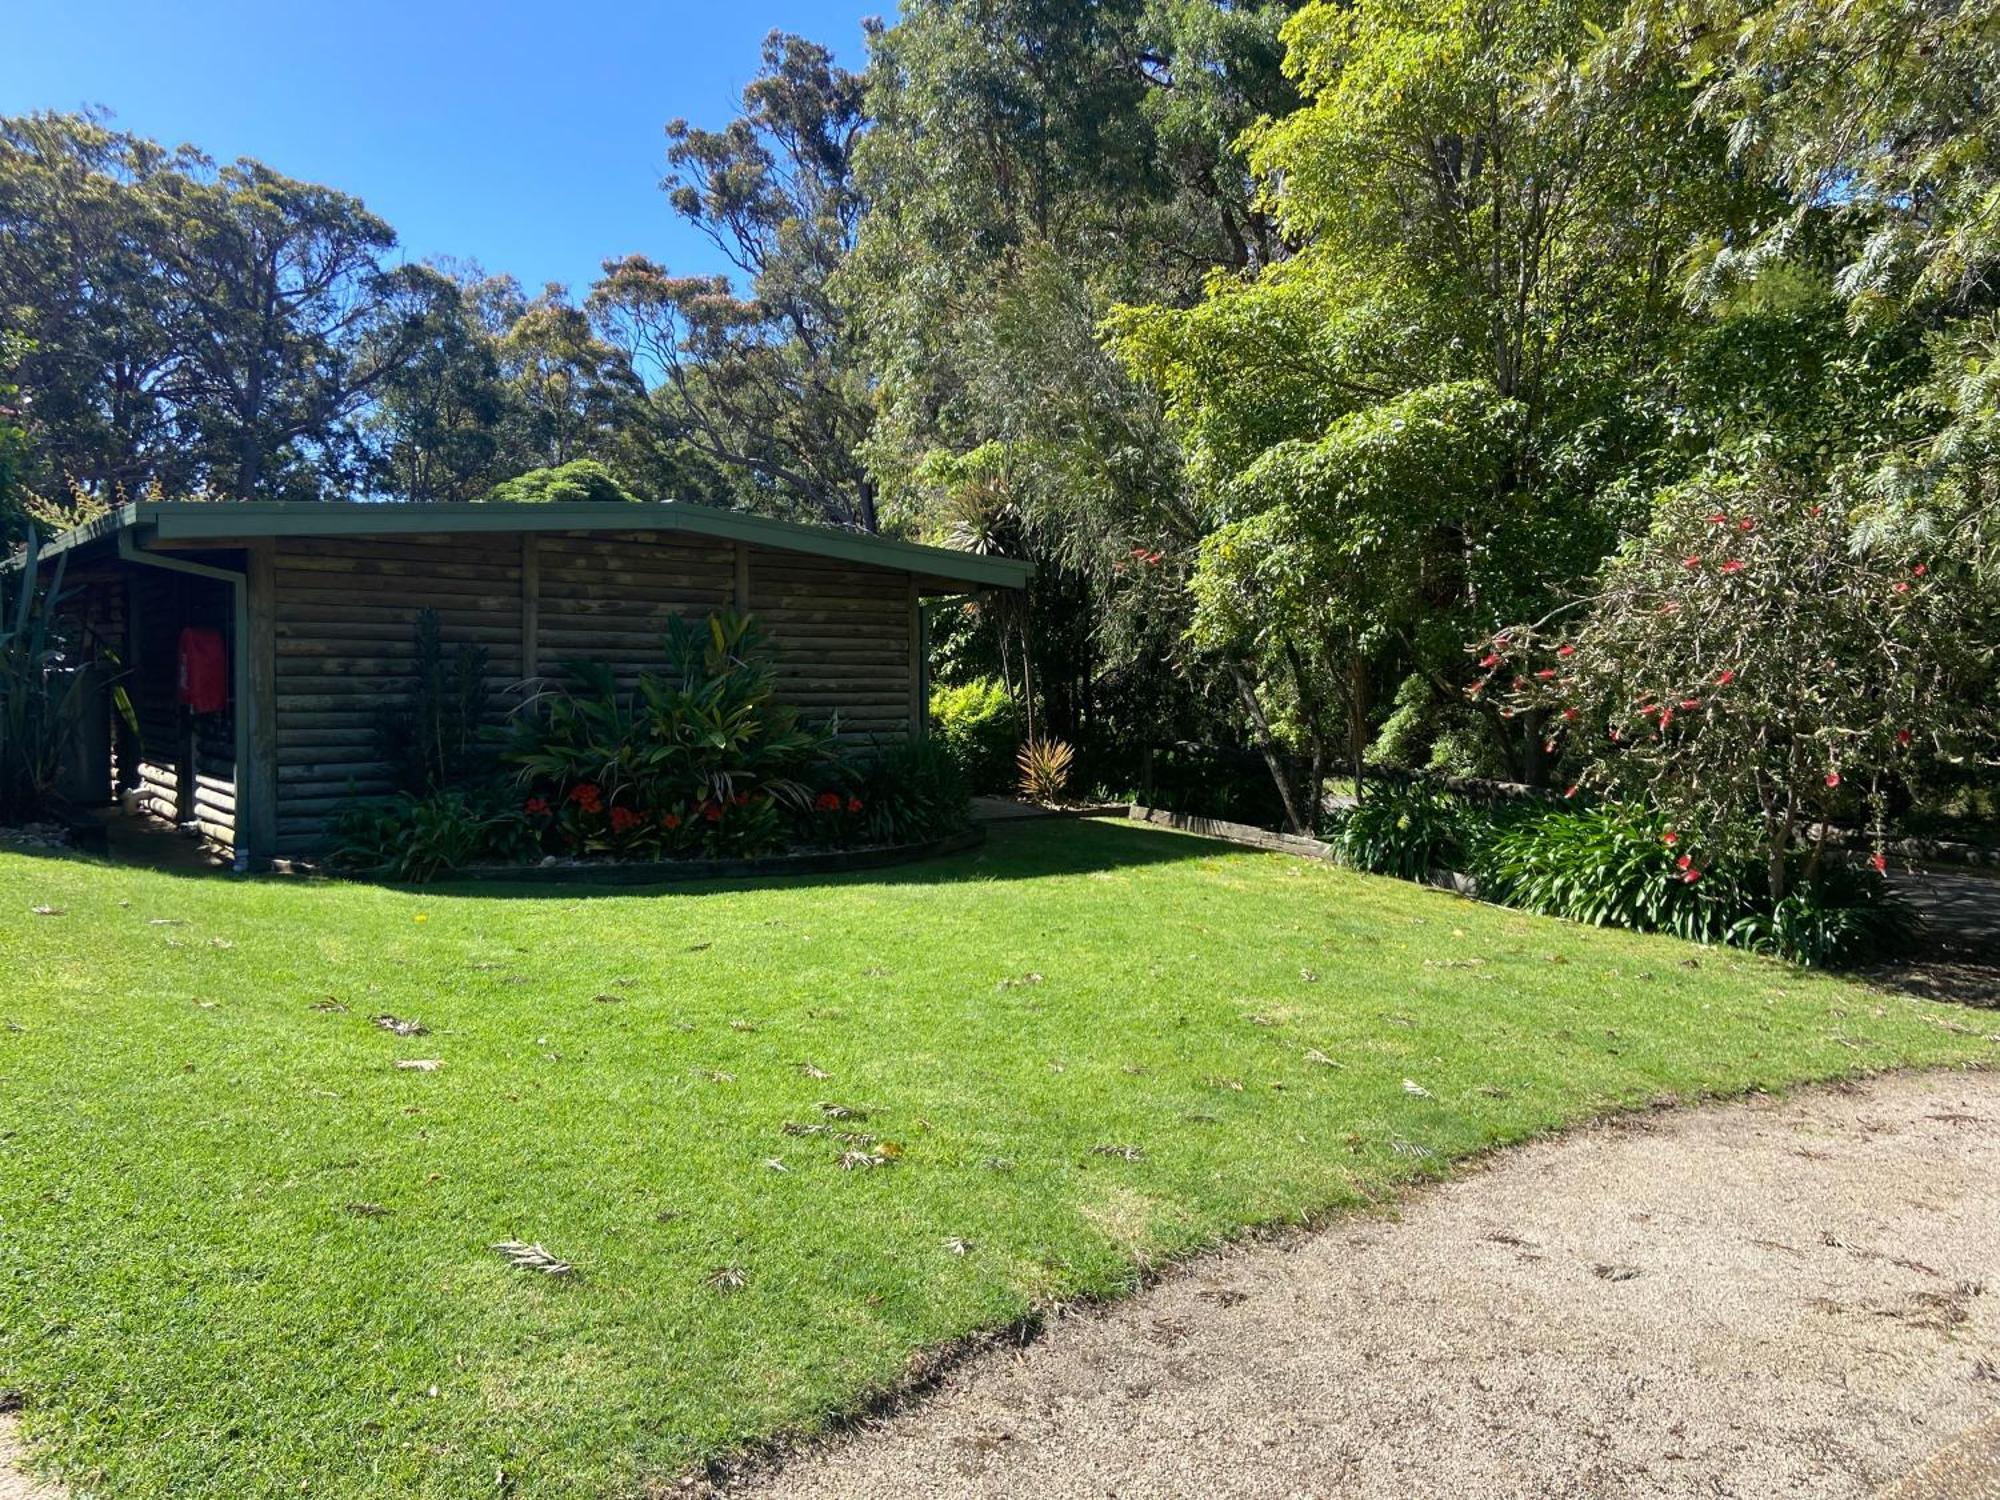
660 871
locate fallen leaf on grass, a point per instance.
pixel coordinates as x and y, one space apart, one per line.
420 1064
776 1164
1319 1059
1123 1153
366 1210
607 999
400 1027
329 1006
48 911
958 1246
1414 1149
715 1075
533 1258
728 1279
841 1111
1614 1273
1411 1086
743 1026
812 1072
166 921
697 947
861 1161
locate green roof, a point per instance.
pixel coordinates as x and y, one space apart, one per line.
221 522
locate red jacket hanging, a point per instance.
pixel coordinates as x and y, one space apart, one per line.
204 670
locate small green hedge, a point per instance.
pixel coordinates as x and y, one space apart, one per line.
978 726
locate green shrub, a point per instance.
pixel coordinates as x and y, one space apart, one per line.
908 792
1615 866
419 838
978 724
697 759
1610 866
1406 829
437 736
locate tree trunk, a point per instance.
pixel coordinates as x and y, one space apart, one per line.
1267 744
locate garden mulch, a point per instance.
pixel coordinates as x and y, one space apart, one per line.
1796 1297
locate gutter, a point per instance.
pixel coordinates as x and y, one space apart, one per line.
129 551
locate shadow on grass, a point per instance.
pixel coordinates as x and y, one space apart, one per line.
1030 849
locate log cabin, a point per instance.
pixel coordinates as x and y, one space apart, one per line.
304 614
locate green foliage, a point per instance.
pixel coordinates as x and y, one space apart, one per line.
580 480
1044 766
1409 829
420 837
699 757
34 690
437 738
1612 865
977 724
912 792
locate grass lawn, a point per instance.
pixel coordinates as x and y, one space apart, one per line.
244 1253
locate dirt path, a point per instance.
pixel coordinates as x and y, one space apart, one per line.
1771 1298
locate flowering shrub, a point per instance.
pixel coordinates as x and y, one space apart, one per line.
1747 671
697 759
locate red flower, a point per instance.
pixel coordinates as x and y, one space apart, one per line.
1720 518
1692 560
1566 651
1734 565
670 821
1903 737
588 796
1880 861
1490 659
1570 793
1670 838
624 820
827 802
1685 862
1569 713
1902 587
1833 778
854 804
537 807
712 811
1726 676
1546 673
1666 717
1691 876
741 799
1746 524
1920 569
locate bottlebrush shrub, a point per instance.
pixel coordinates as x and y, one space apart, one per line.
698 758
1747 671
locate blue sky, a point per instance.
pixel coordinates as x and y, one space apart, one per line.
526 137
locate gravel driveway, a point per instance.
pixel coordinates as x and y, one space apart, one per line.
1794 1298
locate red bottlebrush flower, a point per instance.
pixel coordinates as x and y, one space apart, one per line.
1617 736
1545 674
1720 518
712 811
1690 704
854 804
1734 565
1154 557
1671 607
1519 683
1566 651
1490 659
670 821
741 799
1746 524
1901 587
1726 676
1506 713
1474 690
1920 569
1819 510
1880 861
1685 862
1903 737
1670 838
537 807
827 802
1666 717
1570 714
1691 875
624 820
1833 778
1570 793
1692 560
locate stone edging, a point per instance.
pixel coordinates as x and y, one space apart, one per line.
660 872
